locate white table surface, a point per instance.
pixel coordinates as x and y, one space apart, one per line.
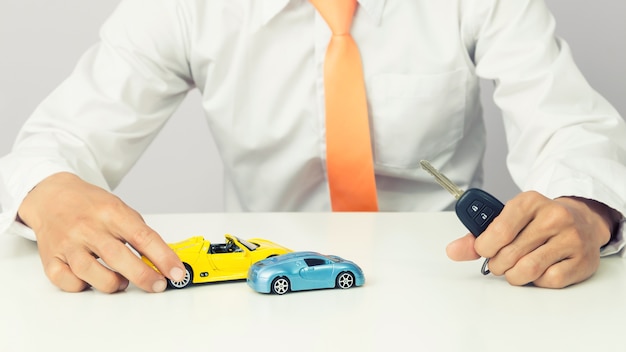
414 298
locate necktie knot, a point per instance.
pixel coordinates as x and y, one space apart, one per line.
337 14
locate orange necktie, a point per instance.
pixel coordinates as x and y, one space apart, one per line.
348 148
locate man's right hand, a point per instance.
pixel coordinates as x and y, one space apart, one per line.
76 223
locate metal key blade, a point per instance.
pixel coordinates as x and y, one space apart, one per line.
442 179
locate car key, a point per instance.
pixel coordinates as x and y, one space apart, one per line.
475 208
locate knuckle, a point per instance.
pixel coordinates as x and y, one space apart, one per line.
525 200
54 271
530 267
533 197
502 230
497 237
142 238
109 208
558 215
80 264
110 250
511 252
145 276
61 277
109 284
554 278
556 218
504 260
495 268
497 226
526 270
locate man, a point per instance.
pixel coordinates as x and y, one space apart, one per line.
259 67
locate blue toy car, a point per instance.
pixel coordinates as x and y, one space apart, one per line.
299 271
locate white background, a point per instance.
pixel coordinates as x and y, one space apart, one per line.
41 40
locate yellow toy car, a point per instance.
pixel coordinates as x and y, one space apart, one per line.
210 262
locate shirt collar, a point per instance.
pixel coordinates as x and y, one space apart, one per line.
374 9
270 8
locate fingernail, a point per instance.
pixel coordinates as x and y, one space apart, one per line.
177 274
159 286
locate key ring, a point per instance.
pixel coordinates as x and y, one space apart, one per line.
485 269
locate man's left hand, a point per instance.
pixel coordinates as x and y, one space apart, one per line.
550 243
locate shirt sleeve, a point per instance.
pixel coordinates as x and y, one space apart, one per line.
99 121
564 139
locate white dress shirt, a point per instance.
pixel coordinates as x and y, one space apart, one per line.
259 67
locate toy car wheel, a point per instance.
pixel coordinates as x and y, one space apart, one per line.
280 285
186 281
345 280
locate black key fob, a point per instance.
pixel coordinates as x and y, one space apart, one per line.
476 209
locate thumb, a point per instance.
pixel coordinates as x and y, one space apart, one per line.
462 249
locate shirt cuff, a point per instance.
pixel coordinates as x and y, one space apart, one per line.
10 226
617 243
16 181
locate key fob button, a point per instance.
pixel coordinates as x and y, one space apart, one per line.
484 216
488 209
475 208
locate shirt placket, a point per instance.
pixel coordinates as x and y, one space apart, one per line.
322 36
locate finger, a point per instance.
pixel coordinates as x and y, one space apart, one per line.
60 274
524 243
147 242
462 249
121 259
151 245
564 273
515 215
87 268
533 265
